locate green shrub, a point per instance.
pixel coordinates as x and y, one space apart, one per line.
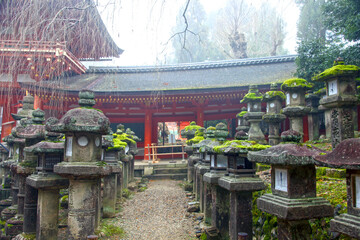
126 193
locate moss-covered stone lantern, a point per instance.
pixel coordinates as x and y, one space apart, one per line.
347 155
110 188
206 156
274 100
49 153
33 133
340 98
193 154
27 108
127 159
243 124
254 115
83 128
218 166
10 188
232 199
296 108
293 183
189 131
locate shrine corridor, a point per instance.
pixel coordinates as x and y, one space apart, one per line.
158 213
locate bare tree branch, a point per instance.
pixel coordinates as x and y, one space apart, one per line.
185 30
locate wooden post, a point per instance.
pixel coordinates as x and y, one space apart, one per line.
148 132
200 116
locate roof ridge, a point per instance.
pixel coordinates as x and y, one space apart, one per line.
193 66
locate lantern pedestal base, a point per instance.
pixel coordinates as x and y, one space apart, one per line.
295 209
210 182
202 169
250 184
346 224
240 189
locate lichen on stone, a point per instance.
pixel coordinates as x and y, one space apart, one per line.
199 136
252 96
337 70
239 146
296 83
119 141
270 95
190 130
241 114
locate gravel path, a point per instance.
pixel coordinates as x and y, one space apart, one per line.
159 213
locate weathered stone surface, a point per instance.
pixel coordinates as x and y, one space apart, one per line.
46 147
294 230
109 195
48 181
242 183
47 214
26 111
345 155
213 176
296 111
79 170
286 154
295 209
347 224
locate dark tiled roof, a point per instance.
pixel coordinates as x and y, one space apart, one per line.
207 75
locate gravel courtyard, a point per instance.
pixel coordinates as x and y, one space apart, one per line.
159 213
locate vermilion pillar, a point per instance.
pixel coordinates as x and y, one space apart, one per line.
38 102
7 121
200 117
147 134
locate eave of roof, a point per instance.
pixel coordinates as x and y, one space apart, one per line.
195 77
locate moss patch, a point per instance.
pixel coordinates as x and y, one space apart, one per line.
239 146
195 140
295 83
252 96
241 114
274 94
337 71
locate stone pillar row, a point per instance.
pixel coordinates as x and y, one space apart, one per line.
37 172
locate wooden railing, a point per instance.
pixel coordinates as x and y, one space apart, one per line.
56 49
153 151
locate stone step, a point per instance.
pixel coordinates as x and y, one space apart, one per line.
176 176
169 170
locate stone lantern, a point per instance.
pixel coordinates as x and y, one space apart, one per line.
293 183
312 101
204 159
110 156
189 131
340 98
347 155
11 187
5 165
243 124
27 108
274 100
193 154
126 155
207 156
49 153
27 196
83 128
295 109
132 150
235 189
218 166
254 115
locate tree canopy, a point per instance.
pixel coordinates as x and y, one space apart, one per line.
333 32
